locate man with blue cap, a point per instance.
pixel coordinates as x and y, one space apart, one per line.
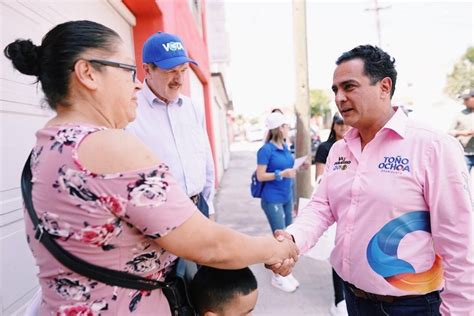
170 123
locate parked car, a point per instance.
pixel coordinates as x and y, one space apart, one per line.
255 133
315 141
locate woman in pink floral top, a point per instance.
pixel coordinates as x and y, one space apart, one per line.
101 193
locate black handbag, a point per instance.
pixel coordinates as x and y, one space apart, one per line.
175 286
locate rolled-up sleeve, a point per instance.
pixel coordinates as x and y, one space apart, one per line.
448 193
209 186
209 190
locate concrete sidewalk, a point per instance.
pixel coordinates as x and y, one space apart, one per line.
237 209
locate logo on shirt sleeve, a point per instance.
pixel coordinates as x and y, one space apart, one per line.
383 259
396 164
341 164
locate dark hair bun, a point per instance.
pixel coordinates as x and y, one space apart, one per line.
25 56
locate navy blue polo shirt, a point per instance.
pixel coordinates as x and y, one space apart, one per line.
276 159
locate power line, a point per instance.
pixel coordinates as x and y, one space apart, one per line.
376 9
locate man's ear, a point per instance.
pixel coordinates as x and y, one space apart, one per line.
86 74
209 313
147 70
386 87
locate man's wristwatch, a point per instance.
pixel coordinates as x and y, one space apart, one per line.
278 176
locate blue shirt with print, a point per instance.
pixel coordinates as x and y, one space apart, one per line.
276 159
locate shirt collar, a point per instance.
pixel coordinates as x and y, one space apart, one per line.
154 100
397 123
285 146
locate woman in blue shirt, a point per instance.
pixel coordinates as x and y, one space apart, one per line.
275 169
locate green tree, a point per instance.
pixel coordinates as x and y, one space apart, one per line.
462 75
319 102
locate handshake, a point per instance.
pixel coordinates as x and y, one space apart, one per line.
285 254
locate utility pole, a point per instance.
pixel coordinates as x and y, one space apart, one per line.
376 9
303 142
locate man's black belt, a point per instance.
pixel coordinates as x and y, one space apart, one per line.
377 297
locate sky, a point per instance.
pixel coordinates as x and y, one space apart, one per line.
425 37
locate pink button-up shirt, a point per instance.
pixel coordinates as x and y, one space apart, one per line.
404 212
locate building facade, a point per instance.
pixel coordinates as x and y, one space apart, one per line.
221 99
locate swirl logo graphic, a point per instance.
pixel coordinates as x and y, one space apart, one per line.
382 254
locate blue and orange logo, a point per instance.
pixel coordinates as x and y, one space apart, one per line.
382 255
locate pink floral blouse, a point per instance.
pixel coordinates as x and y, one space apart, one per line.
109 220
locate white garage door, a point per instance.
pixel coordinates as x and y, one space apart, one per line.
21 115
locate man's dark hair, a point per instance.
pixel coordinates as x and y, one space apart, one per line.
152 66
52 62
211 288
377 63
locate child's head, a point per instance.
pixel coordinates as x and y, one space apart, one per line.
224 292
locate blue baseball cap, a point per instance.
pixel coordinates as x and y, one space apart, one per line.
165 51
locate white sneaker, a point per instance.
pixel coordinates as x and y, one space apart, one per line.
283 283
339 310
293 280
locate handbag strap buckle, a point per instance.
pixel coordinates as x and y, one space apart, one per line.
39 231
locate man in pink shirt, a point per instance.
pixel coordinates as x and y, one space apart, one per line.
400 195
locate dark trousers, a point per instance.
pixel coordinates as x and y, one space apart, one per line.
201 204
423 305
469 162
338 285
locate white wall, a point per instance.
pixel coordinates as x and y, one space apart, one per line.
21 115
224 132
220 124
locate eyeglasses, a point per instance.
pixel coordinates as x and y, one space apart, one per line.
130 68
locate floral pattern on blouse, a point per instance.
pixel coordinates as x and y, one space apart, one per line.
69 288
67 136
83 309
104 219
150 189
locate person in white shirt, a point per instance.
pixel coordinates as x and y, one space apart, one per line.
170 123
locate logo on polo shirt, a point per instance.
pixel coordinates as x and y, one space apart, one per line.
173 46
395 164
384 254
341 164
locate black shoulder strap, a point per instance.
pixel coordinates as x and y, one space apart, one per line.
98 273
